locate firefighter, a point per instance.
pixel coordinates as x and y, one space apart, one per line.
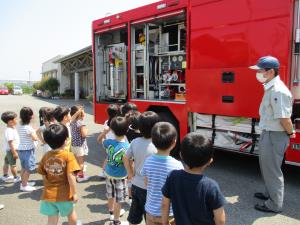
275 111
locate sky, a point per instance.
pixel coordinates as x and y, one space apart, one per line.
34 31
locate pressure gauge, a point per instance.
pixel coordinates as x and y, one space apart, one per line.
174 58
180 58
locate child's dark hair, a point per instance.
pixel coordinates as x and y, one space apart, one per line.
128 107
60 112
112 110
41 115
75 108
119 125
133 119
26 114
48 114
55 135
146 121
163 135
8 115
196 150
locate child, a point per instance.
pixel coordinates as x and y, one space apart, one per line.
62 116
41 115
133 130
115 171
156 169
112 111
11 143
58 168
127 107
139 150
78 143
132 133
196 199
48 119
26 148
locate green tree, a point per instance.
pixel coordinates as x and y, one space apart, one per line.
51 84
9 86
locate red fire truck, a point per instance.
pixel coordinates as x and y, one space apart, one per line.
188 61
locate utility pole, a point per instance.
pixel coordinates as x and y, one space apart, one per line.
29 72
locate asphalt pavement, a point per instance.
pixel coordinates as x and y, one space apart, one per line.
237 175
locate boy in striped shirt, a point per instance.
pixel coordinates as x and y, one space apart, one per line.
156 169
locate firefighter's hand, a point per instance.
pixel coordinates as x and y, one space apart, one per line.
293 135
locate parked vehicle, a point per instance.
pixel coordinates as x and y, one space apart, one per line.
17 90
188 61
4 91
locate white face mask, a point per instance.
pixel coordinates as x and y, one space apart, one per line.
260 77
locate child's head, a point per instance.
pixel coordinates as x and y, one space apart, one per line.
133 119
164 136
62 114
48 115
146 121
128 107
26 115
112 110
196 150
41 115
10 118
75 109
119 126
55 135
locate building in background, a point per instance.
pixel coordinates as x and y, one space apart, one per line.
51 68
77 73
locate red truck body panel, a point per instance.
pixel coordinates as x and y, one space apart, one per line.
222 36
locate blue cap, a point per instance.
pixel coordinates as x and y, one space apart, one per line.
266 62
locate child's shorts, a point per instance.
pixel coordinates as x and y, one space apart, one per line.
9 159
116 188
27 159
55 208
79 150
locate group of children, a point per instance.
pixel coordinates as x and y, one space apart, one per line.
163 189
62 136
138 164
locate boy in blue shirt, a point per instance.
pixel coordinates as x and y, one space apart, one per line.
196 199
156 169
116 186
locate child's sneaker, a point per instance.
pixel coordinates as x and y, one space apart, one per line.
82 178
17 179
102 175
27 188
7 178
111 216
122 212
120 223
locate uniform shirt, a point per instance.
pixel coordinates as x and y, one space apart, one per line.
10 134
26 142
193 197
115 151
55 167
156 169
140 149
276 104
